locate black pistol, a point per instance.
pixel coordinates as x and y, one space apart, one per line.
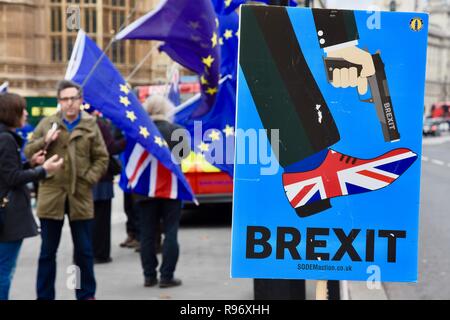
380 93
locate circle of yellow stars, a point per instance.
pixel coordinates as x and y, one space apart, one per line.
131 115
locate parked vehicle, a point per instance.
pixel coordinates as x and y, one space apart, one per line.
435 126
210 185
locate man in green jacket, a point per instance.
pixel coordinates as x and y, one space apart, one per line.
73 135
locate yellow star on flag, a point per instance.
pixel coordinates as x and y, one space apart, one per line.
194 24
131 116
221 41
208 61
229 131
159 141
203 81
143 132
217 23
125 101
228 34
227 3
124 88
203 147
214 135
214 40
195 38
211 91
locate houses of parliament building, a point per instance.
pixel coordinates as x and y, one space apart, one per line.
37 37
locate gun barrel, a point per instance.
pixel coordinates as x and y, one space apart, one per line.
382 100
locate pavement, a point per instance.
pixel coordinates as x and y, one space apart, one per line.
204 263
204 266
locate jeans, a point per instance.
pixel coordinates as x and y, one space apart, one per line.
9 251
150 213
84 258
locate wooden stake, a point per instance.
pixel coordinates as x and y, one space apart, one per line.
321 290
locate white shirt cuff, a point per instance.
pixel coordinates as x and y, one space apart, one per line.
352 43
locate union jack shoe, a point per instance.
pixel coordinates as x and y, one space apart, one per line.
309 192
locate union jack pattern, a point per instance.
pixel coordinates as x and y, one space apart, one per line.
341 175
145 175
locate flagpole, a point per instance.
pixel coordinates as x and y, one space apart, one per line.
109 45
141 63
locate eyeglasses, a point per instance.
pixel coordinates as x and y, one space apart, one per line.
67 99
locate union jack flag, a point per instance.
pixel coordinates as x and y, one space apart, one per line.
341 175
145 175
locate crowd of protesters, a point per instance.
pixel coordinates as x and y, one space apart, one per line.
74 157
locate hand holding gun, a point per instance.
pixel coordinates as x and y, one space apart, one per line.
353 67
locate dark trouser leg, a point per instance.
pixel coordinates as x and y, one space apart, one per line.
82 241
51 236
284 90
9 251
148 211
171 214
128 207
101 239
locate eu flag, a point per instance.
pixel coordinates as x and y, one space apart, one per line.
174 88
190 34
4 87
213 134
228 40
106 91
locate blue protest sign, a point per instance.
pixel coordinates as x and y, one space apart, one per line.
328 144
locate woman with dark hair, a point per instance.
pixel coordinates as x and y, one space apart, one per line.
16 220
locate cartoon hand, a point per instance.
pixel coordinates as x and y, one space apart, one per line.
348 77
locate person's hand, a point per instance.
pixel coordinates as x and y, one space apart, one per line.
348 77
53 164
52 134
38 158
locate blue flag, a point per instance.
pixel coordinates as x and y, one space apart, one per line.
190 34
106 91
213 134
174 88
4 87
25 133
228 27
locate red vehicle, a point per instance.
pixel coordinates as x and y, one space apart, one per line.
440 110
210 185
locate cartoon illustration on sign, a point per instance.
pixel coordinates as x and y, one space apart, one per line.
303 105
345 100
